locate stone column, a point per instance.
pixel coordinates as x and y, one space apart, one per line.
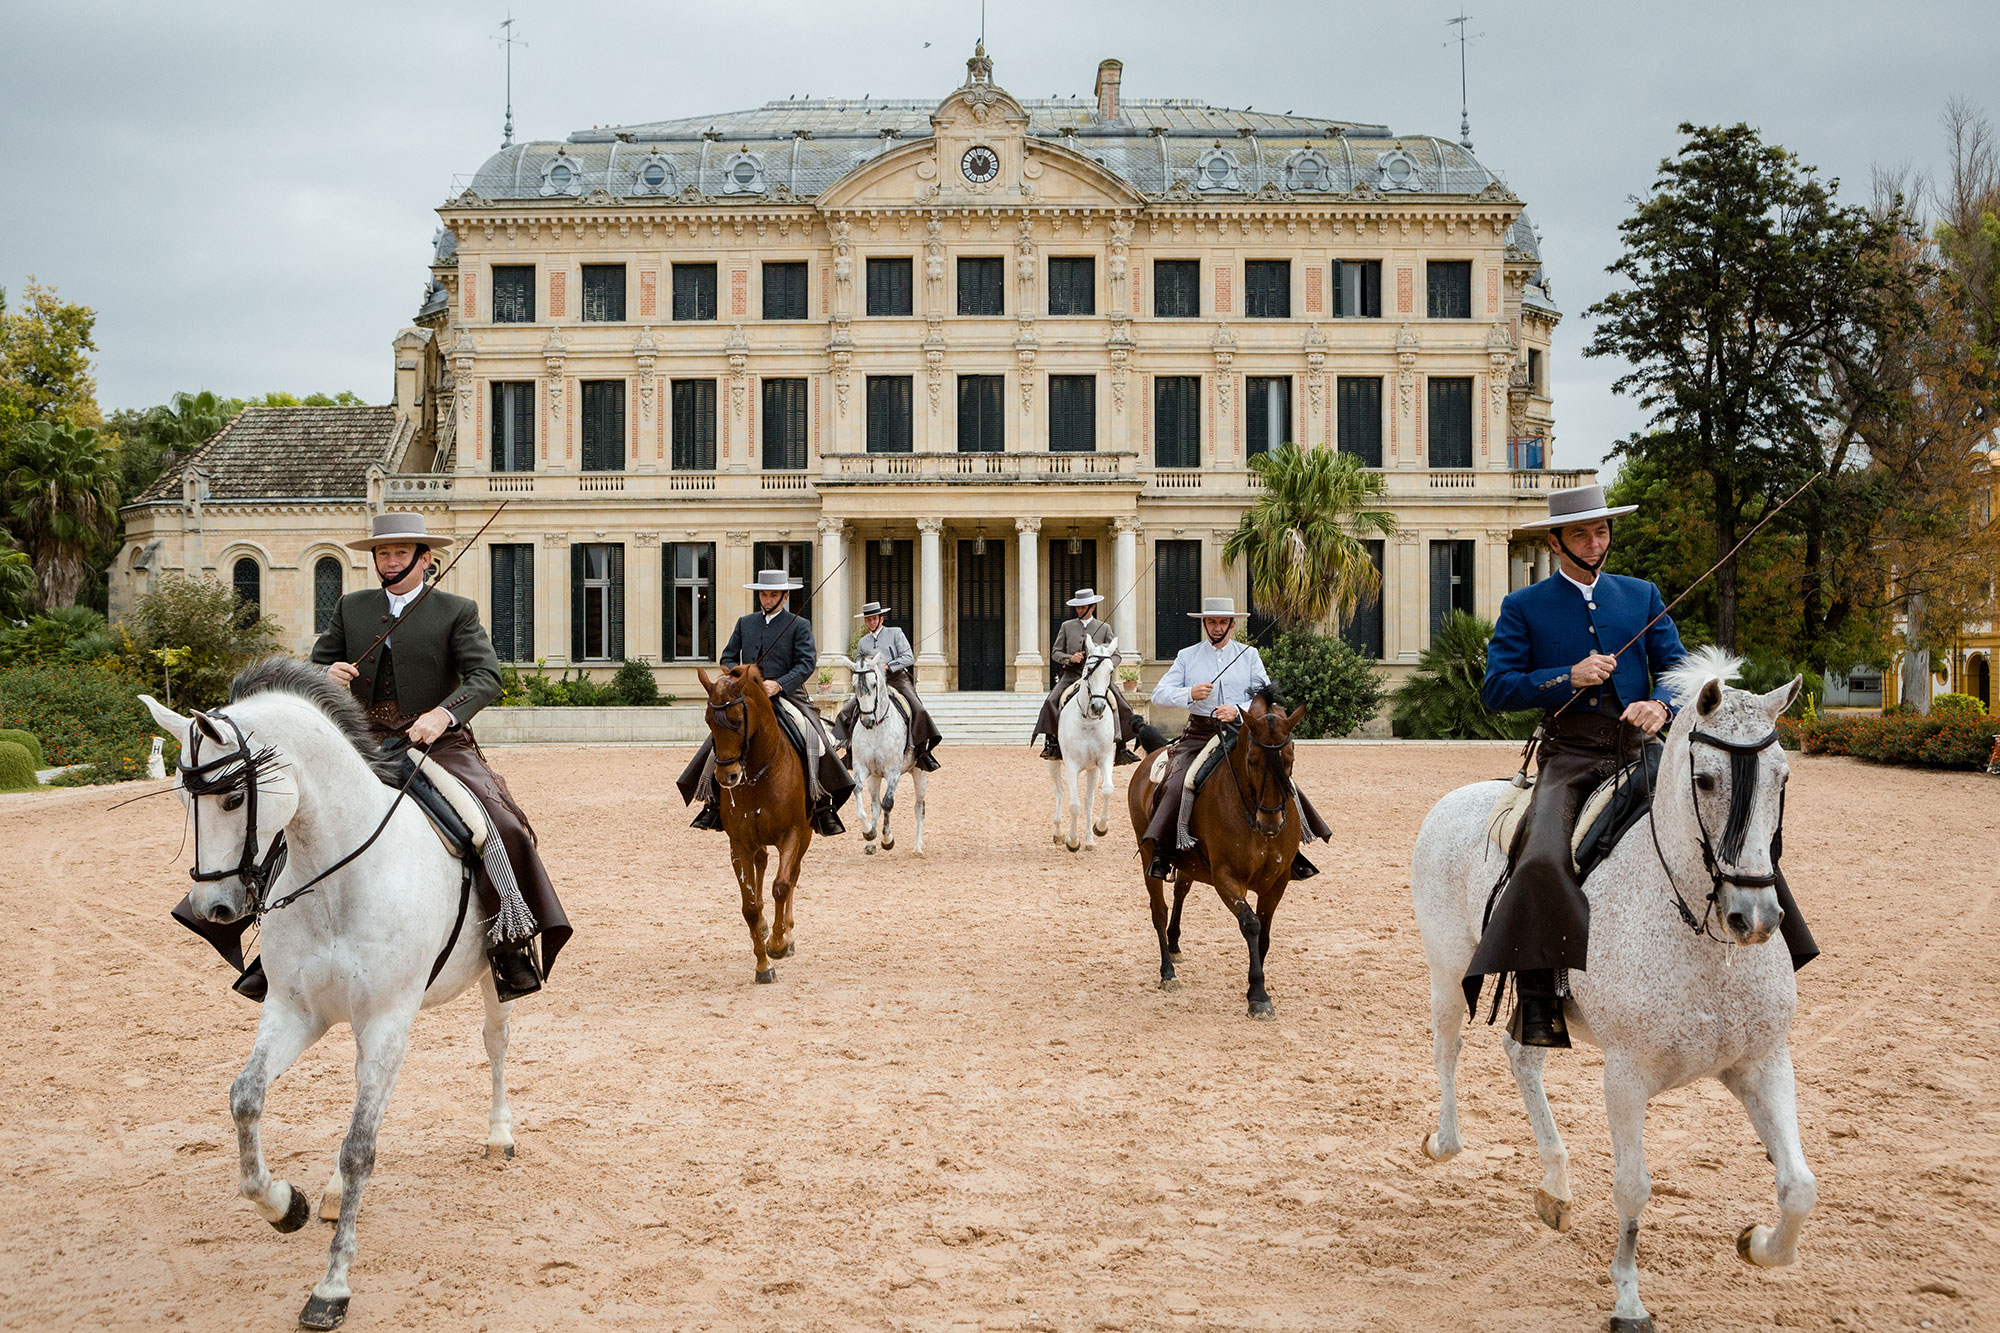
645 630
1028 655
832 599
930 614
552 636
1124 571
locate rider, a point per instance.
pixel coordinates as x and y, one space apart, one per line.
897 659
1077 634
1214 680
1554 644
778 642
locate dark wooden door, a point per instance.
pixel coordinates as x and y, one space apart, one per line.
982 617
1068 573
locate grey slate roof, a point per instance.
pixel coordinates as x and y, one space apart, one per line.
290 453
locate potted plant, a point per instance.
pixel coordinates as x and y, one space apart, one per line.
825 679
1128 677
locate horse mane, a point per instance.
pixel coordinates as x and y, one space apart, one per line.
1273 697
287 675
1685 678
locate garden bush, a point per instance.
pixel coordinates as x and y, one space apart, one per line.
82 715
1441 699
1958 705
26 740
1761 675
1337 687
198 621
17 767
67 634
634 685
1931 742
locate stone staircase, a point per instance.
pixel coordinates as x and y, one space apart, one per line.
984 717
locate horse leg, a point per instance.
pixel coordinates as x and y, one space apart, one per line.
1253 936
1552 1196
791 853
1631 1186
917 776
1086 788
378 1058
871 788
749 868
1447 1034
1101 824
1181 886
1056 768
1765 1088
1073 778
282 1034
499 1120
1157 891
891 778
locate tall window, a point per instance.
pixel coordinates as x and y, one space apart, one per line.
1451 581
603 293
1177 421
982 286
1448 288
1450 425
603 425
1267 288
513 293
513 616
694 291
597 602
326 591
890 287
1358 409
784 425
1357 289
513 439
248 580
1073 285
694 425
889 582
1177 288
1072 414
982 414
1363 629
1535 369
889 414
688 578
1267 408
795 558
785 290
1176 591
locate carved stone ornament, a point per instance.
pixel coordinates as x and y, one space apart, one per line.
562 176
1308 172
832 527
1028 526
840 351
738 348
1216 171
1396 170
1224 346
743 173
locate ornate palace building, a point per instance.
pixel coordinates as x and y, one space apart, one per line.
960 357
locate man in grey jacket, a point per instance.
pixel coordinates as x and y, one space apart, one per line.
897 661
1072 644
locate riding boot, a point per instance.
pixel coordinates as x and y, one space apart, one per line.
1051 750
826 821
1161 866
709 816
1538 1010
514 970
1302 868
927 761
253 984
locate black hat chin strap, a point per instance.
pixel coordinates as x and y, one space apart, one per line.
1591 566
391 580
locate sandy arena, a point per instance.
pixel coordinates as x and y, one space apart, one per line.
965 1105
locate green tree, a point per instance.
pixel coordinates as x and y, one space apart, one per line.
192 627
17 583
61 495
1320 673
187 422
1441 701
1305 539
45 361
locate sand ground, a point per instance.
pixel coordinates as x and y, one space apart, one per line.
965 1105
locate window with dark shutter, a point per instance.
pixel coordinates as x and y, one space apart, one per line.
1358 411
982 286
1448 288
784 425
1363 628
1451 581
688 585
1177 421
890 287
1267 288
603 293
1357 289
1072 414
597 602
694 425
603 425
889 414
890 581
795 558
1535 370
1450 426
514 601
982 417
1176 591
694 291
1073 285
1177 288
1267 413
514 294
326 592
513 432
785 291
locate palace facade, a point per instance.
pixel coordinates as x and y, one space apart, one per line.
959 357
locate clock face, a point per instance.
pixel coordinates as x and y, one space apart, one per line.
980 164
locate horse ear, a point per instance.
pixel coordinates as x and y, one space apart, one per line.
1784 696
1296 716
1709 698
701 675
173 723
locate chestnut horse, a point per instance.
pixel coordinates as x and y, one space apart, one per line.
1247 828
761 788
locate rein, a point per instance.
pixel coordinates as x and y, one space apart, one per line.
1742 783
1274 770
878 708
722 718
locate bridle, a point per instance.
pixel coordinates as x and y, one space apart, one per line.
1742 785
1274 772
1100 699
878 704
720 720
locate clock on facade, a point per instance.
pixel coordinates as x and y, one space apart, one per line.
980 164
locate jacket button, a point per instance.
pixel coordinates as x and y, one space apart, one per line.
1593 629
1593 701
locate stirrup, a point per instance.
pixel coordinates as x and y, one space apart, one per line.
1538 1021
708 817
514 971
253 985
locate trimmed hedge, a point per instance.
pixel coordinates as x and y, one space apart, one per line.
83 715
1958 705
17 768
26 740
1931 742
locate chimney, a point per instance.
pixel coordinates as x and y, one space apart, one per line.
1108 73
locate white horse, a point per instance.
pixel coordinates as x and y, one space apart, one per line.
1087 732
880 748
1665 1004
358 948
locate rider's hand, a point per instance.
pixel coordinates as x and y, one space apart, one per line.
772 688
343 672
1076 656
1224 712
1593 670
429 727
1648 715
1202 691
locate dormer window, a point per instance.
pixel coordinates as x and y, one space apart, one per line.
1217 171
562 175
1398 171
655 176
743 173
1307 172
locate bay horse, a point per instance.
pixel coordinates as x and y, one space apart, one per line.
763 801
285 779
1247 828
1668 997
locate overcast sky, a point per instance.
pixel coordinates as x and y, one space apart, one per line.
245 192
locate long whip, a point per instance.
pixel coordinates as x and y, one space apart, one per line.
429 584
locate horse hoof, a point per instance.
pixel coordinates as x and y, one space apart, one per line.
321 1313
297 1213
1643 1324
499 1152
1428 1146
1263 1011
1072 845
1553 1211
791 947
1170 983
768 975
868 847
888 844
1743 1239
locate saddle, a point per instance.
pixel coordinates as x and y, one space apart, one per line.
455 813
806 737
1612 807
1206 761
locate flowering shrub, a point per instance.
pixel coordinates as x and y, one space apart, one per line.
1958 705
82 715
1932 742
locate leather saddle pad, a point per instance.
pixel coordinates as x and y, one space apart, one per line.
1612 807
454 812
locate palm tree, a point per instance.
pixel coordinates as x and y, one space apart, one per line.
1441 699
62 497
187 422
1306 538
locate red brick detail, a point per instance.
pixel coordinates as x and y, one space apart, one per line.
1420 444
649 293
1479 389
468 302
660 419
739 291
1406 290
1222 277
1314 301
1326 396
825 289
1492 291
558 293
1134 271
1236 412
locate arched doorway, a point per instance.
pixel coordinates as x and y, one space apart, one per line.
1979 680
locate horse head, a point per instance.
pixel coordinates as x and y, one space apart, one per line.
1267 760
1725 773
238 804
869 697
732 694
1100 661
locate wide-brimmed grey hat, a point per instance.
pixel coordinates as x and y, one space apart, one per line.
1085 597
871 609
1578 504
773 580
1215 607
407 529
